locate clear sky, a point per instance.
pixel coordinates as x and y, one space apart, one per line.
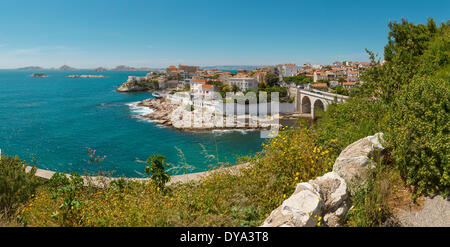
159 33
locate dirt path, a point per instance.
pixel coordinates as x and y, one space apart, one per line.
435 213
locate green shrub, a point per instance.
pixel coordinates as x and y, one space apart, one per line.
156 170
370 202
418 135
344 124
16 185
69 188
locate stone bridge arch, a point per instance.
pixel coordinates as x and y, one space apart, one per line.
319 105
306 105
306 101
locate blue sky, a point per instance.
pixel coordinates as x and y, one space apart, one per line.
159 33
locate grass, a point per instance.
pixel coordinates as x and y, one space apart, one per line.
221 199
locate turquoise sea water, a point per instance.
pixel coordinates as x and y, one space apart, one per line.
54 119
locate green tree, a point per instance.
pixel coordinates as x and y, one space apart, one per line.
271 79
156 170
235 88
341 80
403 58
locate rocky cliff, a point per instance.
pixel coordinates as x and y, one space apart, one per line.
327 197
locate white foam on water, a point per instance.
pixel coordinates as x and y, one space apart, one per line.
242 131
139 110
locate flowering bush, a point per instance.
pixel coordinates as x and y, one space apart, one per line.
16 185
418 135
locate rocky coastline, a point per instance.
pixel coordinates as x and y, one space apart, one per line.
133 88
169 114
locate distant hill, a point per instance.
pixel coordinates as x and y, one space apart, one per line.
31 68
100 69
128 68
66 67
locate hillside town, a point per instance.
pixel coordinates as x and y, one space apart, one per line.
301 91
339 77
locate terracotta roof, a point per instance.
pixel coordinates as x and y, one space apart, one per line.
290 64
319 85
207 86
200 80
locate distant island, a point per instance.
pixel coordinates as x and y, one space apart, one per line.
38 75
66 67
31 68
98 69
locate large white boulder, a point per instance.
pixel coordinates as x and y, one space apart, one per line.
328 195
300 209
355 161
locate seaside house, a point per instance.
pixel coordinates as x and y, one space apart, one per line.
189 71
306 65
207 92
334 83
331 75
348 63
244 83
196 85
337 64
349 84
172 71
318 76
352 76
319 85
288 70
260 76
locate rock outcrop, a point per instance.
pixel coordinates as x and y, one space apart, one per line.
185 117
127 87
327 197
136 84
38 75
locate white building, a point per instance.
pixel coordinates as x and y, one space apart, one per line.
244 83
348 63
196 86
288 70
352 76
207 92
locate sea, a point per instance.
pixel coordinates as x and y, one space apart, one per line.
51 121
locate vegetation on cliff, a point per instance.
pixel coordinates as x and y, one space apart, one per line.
407 98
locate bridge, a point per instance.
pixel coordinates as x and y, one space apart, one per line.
308 101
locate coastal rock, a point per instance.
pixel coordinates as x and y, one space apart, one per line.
131 88
336 217
354 162
328 195
333 190
38 75
300 209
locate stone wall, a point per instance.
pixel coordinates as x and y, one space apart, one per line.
327 197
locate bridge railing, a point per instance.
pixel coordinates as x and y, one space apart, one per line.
324 95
